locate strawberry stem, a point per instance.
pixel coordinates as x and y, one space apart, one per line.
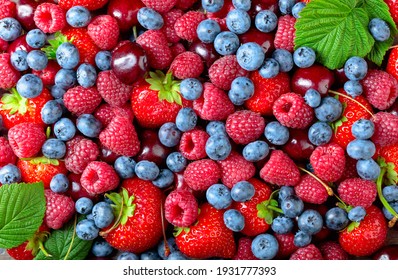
383 200
352 99
328 188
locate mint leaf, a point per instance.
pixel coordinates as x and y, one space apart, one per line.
64 244
22 208
336 30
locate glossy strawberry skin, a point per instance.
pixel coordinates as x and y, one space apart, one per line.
83 42
21 252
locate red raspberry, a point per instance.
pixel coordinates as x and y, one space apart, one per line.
350 170
224 70
193 144
104 31
8 75
285 34
160 6
3 45
99 177
7 156
358 192
181 208
201 174
235 169
7 9
291 111
280 170
328 162
59 209
169 20
105 113
79 100
187 65
49 17
112 90
186 25
310 252
177 49
386 129
286 245
80 152
332 250
26 139
214 104
310 190
244 250
245 126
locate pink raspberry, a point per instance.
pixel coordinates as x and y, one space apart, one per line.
80 152
224 70
358 192
193 143
245 126
168 27
49 17
332 250
286 245
7 156
285 34
99 177
8 75
26 139
187 65
104 30
310 252
310 190
328 162
235 169
244 250
201 174
186 25
181 208
59 209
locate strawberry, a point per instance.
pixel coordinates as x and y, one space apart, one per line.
224 70
141 222
357 192
286 245
187 65
393 5
254 224
59 209
235 169
368 237
310 252
186 25
168 29
79 100
328 162
392 63
193 143
26 139
285 34
47 75
80 152
112 90
99 177
7 156
311 190
386 129
244 126
104 30
156 100
89 4
15 109
40 169
244 251
160 6
8 75
332 250
201 174
207 238
266 91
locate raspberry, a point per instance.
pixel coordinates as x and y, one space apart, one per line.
201 174
291 111
26 139
350 170
244 250
332 251
7 9
245 126
310 190
286 245
235 169
8 75
59 209
168 29
280 170
181 208
187 65
99 177
104 30
193 143
79 100
328 162
49 17
105 113
160 6
112 90
224 70
186 25
177 49
284 37
80 152
386 129
310 252
7 156
358 192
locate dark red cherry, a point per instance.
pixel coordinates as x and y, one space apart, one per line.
129 62
394 109
107 155
25 13
387 253
316 77
47 75
259 5
19 44
206 51
221 14
125 12
299 146
76 190
340 77
151 148
265 40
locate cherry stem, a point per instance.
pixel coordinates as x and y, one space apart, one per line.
352 99
393 47
328 189
385 203
166 247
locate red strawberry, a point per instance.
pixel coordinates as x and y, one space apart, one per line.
168 29
187 65
113 91
7 156
245 126
160 6
235 169
79 100
201 174
26 139
21 252
59 209
193 143
186 25
244 250
286 245
224 70
89 4
199 240
358 192
285 34
40 169
141 222
181 208
392 63
47 75
328 162
104 30
120 136
99 177
386 129
311 190
7 9
266 91
254 225
368 237
80 152
280 170
49 17
8 75
333 251
393 5
310 252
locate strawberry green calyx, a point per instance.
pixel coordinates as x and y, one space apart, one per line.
268 209
179 230
167 87
14 102
36 243
58 40
390 176
341 204
379 183
42 160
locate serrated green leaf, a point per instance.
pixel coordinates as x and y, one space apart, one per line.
22 208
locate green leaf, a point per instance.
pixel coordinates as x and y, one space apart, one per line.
63 244
335 29
352 226
391 176
22 208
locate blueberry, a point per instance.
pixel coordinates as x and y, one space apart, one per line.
336 219
218 147
379 29
226 43
186 119
124 167
59 183
219 196
86 75
10 29
286 6
363 129
84 205
320 133
330 110
285 192
282 225
284 58
250 56
242 191
29 86
164 179
65 79
313 98
208 30
266 21
310 221
150 255
242 89
88 125
216 128
302 239
368 169
212 6
244 5
18 60
361 149
103 60
390 193
67 56
353 88
86 230
355 68
101 248
191 88
102 214
169 135
234 220
177 256
36 38
304 57
297 8
78 16
54 148
64 129
10 174
357 214
276 133
270 68
150 19
292 206
387 213
170 245
176 162
51 112
37 60
57 92
255 151
127 256
147 170
265 246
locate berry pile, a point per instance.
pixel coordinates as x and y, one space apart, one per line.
187 129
